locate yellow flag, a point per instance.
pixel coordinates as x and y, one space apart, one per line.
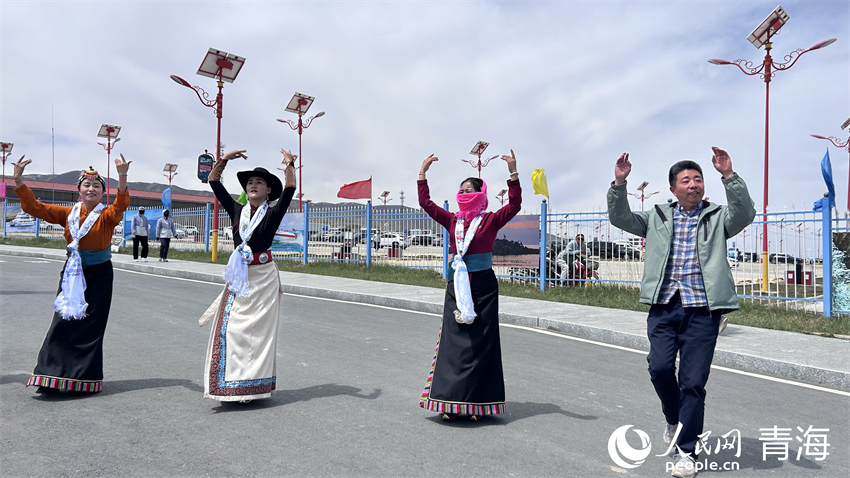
538 180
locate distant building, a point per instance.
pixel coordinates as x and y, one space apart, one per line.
48 191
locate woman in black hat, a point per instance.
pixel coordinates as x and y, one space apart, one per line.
240 363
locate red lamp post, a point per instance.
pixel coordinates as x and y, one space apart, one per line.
383 197
838 144
501 196
761 36
170 171
477 150
299 104
643 196
223 67
5 150
109 132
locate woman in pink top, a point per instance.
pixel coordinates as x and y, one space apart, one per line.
466 374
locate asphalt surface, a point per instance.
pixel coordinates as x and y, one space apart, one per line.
349 379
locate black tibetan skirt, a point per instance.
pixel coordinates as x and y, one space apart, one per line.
466 374
71 357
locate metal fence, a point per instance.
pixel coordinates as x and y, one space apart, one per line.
795 273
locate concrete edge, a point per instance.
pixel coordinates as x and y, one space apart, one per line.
775 368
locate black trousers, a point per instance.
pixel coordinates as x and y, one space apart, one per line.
692 333
136 241
164 244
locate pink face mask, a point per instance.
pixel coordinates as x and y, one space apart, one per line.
472 204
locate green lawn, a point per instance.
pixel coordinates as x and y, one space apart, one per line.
626 298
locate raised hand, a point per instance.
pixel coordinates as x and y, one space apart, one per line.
427 163
236 153
511 160
19 169
622 169
122 165
722 162
288 157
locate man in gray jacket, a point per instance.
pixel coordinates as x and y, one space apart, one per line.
688 285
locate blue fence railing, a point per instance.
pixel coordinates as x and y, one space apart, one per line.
797 272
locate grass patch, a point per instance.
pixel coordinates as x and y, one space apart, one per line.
612 297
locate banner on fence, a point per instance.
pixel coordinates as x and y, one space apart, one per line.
18 221
290 234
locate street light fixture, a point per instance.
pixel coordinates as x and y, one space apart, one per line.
221 66
477 150
761 36
838 144
110 132
501 196
171 171
643 196
383 197
299 104
5 150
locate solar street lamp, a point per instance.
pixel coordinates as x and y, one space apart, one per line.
223 67
477 150
299 104
838 144
110 132
761 36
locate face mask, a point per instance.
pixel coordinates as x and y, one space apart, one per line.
471 204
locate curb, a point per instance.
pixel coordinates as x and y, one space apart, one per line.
834 379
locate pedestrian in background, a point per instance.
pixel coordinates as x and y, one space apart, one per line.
140 227
466 376
164 232
688 285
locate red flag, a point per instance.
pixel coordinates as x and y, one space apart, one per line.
356 190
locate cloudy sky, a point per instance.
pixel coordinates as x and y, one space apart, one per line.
567 85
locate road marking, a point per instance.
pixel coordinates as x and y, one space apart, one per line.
716 367
531 329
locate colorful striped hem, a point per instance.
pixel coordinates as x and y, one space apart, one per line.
92 386
463 408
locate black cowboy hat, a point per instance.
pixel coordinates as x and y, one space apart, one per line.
271 180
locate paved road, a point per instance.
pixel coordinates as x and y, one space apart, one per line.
349 377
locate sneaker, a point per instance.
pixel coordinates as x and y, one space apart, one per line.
670 433
144 259
684 467
135 260
165 260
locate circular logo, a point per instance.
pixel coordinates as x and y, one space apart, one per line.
264 257
622 453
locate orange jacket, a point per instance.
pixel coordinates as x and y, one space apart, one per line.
98 237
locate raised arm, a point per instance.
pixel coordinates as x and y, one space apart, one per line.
437 213
214 179
32 206
619 212
740 211
512 208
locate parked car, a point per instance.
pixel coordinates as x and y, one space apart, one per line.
190 229
426 240
778 257
180 231
733 263
50 228
751 256
392 239
334 234
225 234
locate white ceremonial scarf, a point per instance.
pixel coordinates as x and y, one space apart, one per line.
71 301
463 292
236 272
